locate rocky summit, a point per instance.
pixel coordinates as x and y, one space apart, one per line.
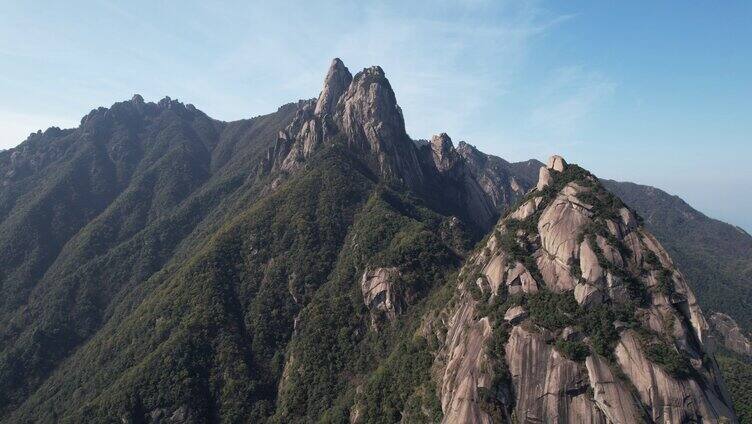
571 311
317 264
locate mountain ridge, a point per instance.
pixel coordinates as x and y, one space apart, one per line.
276 269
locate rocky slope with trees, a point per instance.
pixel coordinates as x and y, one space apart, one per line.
316 264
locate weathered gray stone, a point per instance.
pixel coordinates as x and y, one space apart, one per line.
465 356
377 286
611 395
731 334
557 163
515 314
544 178
338 79
666 398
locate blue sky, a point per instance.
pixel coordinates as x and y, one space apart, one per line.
658 93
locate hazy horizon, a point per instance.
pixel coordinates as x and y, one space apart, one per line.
653 94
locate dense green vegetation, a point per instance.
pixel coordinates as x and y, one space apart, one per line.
192 287
738 373
333 339
225 314
668 358
574 350
154 162
153 262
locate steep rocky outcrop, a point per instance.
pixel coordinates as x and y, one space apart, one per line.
300 267
502 181
584 318
362 112
713 255
337 80
449 174
730 335
379 293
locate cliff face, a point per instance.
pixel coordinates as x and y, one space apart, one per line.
316 265
362 111
573 312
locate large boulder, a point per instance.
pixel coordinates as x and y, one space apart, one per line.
557 163
378 287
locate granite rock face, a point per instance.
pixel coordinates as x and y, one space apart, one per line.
502 182
362 112
570 253
730 334
379 293
337 81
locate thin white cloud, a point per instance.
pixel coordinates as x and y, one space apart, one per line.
568 100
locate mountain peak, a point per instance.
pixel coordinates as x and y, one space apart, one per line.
632 323
557 163
441 143
337 80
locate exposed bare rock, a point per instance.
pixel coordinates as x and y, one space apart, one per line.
682 299
379 295
501 181
666 398
556 163
556 275
515 314
442 151
610 253
370 117
515 277
612 395
597 252
525 211
494 272
628 219
559 227
544 178
458 184
588 294
519 280
549 387
337 81
462 375
591 269
731 335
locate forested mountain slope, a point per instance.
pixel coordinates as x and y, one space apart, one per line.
158 265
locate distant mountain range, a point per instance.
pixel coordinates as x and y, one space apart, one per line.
318 265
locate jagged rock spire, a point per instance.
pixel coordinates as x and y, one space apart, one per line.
337 81
442 149
555 163
441 144
370 117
